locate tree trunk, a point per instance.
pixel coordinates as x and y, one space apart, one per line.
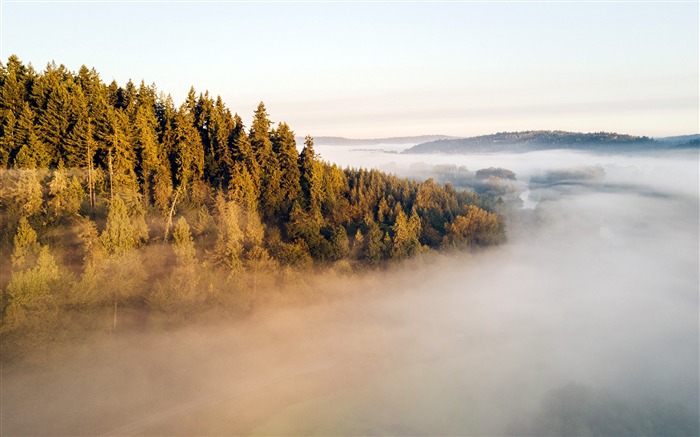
169 221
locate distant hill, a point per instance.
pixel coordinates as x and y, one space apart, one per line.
681 140
340 141
548 140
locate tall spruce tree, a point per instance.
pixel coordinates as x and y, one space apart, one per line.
285 147
270 177
242 152
311 178
32 151
189 152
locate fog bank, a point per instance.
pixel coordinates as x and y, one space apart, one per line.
584 323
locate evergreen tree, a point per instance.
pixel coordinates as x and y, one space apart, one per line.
120 155
15 82
8 142
242 153
340 244
260 139
374 247
285 147
53 93
189 151
32 295
26 247
406 232
311 178
271 195
358 245
79 146
119 235
241 187
218 127
167 157
145 140
32 153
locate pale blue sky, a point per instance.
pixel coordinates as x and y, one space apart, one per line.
391 69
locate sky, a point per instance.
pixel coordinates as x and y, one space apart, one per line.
367 70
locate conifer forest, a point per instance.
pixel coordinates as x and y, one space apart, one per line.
116 201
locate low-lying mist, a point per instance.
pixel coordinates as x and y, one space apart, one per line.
584 323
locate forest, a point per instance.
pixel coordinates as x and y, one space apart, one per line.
114 202
550 140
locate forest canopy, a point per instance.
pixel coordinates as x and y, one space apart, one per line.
97 176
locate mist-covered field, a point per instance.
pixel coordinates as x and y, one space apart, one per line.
584 323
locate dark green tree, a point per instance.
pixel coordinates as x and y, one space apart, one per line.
189 152
285 147
271 195
32 153
311 178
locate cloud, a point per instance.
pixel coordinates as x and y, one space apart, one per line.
591 308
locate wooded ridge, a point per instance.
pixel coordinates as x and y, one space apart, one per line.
546 140
114 197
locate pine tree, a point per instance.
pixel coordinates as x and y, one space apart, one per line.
242 153
284 145
167 157
374 246
241 188
32 153
358 245
189 152
311 178
53 93
260 138
162 186
120 155
145 140
204 119
223 126
8 142
15 80
271 195
217 127
340 245
406 232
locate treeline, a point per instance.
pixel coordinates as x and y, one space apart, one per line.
95 174
537 140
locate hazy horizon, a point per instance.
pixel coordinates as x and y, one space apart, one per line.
364 70
437 134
